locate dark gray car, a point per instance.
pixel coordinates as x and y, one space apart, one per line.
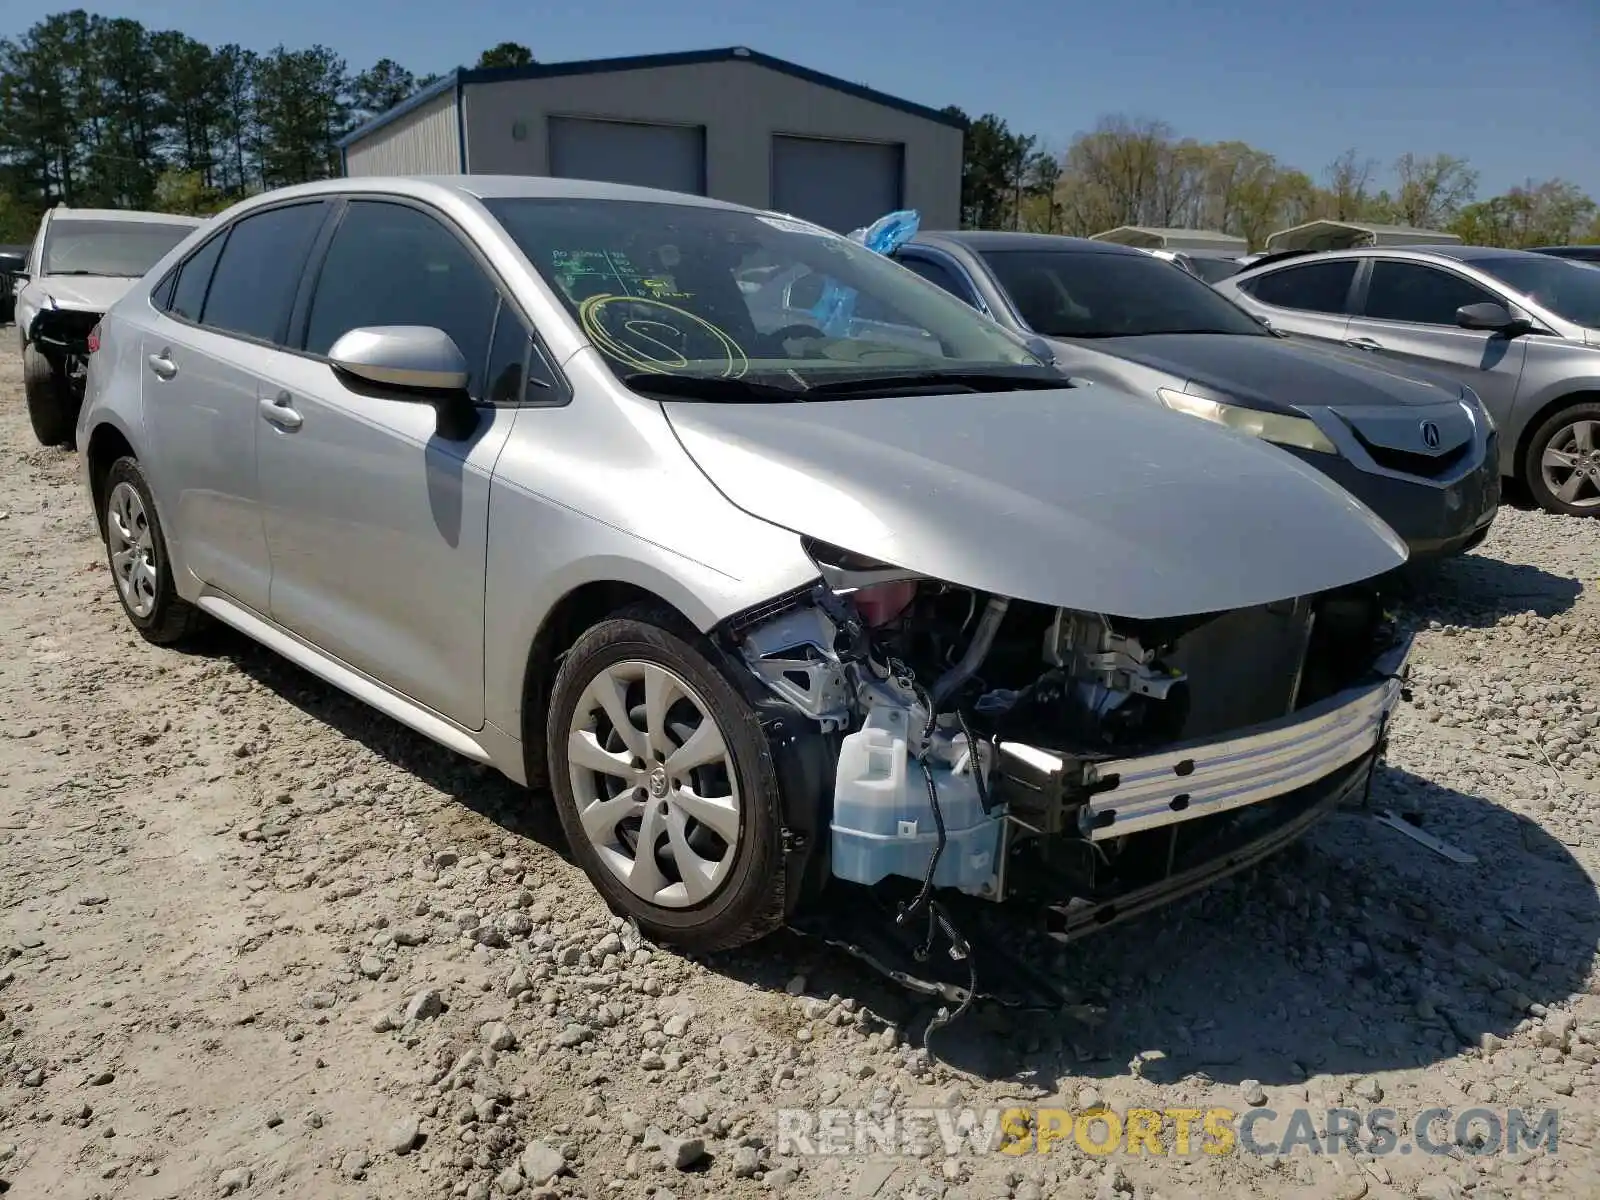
1588 254
1420 452
1519 328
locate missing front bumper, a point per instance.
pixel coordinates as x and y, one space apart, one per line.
1274 826
1050 794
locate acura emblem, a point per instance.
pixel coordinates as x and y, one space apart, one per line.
1430 435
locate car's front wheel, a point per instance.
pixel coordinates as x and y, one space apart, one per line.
50 407
665 784
1562 466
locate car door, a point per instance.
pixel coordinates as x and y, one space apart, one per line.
1305 299
377 525
1406 313
201 352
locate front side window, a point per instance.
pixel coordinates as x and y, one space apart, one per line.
1570 288
1418 294
391 264
253 286
1100 294
1322 287
727 294
121 249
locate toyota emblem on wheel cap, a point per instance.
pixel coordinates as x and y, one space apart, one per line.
1430 435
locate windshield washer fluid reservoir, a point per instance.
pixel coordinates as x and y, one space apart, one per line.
882 820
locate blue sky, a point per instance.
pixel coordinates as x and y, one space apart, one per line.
1515 88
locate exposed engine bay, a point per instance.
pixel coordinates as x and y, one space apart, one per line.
1004 748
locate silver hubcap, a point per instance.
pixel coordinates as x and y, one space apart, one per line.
1571 465
653 783
133 550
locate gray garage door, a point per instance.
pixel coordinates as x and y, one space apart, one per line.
840 185
660 156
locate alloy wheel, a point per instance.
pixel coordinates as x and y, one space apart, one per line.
132 547
654 784
1571 464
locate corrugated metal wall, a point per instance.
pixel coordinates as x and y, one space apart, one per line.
424 142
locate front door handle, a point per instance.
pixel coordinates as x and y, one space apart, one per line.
280 411
163 366
1363 343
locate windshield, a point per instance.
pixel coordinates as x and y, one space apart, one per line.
1096 294
1567 287
126 249
712 293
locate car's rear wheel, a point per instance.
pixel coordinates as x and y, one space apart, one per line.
1562 467
50 407
665 784
137 553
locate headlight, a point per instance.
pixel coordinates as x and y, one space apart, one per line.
1476 408
1269 427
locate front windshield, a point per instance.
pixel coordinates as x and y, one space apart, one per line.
125 249
1099 294
728 294
1567 287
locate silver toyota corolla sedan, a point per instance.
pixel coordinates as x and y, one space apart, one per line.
868 596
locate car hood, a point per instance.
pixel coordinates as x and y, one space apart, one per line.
1073 498
86 293
1277 373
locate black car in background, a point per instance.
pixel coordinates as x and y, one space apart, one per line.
1589 254
13 260
1418 449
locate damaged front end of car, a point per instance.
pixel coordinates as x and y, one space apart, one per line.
1091 765
65 335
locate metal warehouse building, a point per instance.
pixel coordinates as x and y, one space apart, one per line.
732 124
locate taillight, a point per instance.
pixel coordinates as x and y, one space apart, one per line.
94 339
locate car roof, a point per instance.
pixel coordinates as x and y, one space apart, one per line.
131 216
981 240
484 187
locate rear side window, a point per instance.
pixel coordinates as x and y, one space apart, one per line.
194 277
1421 295
390 264
253 286
1312 287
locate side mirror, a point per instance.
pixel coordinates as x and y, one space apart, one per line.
418 361
1492 316
1042 348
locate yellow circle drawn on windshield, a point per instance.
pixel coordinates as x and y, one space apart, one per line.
640 330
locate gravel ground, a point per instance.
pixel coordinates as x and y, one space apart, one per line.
257 940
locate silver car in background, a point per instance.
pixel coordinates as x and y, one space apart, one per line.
1521 329
80 262
771 600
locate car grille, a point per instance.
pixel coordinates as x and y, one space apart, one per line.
1428 466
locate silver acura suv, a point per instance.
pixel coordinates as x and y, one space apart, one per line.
867 596
1521 329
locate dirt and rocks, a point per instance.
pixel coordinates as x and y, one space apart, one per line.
256 940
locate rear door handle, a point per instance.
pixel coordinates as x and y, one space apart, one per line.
280 411
1363 343
163 366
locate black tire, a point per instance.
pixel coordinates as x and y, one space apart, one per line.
50 407
749 903
1532 463
171 618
